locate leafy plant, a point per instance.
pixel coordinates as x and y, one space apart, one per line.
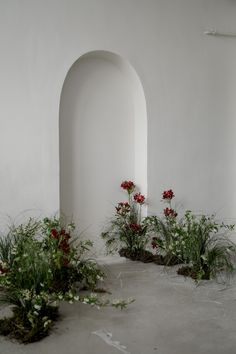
40 265
67 256
207 249
126 229
167 236
198 241
25 285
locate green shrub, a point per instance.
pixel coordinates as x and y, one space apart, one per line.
168 238
40 265
207 249
127 229
199 242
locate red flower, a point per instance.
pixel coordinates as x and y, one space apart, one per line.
54 233
67 236
64 246
135 227
128 185
66 262
170 212
168 194
139 198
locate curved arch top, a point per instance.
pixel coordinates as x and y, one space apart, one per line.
103 137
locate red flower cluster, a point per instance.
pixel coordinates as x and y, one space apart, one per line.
60 234
168 194
170 212
139 198
123 208
54 233
64 246
63 239
128 185
135 227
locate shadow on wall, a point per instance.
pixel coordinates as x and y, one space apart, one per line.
103 138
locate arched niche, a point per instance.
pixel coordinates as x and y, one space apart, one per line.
103 138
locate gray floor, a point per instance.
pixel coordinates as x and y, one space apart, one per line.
170 316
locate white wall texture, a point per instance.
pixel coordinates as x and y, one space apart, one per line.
189 81
102 114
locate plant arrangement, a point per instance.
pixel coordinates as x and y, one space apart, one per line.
127 231
207 251
41 264
199 242
167 239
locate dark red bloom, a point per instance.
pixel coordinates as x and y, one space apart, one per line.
135 227
128 185
170 212
67 236
64 246
66 262
54 233
139 198
168 194
63 231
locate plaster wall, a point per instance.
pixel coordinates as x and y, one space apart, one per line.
189 81
102 113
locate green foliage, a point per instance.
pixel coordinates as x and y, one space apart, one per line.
89 274
41 263
198 241
127 229
29 328
207 249
94 300
67 256
26 279
6 249
167 238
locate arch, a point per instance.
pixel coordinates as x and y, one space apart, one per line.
103 138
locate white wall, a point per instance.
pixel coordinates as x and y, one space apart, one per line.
99 111
189 81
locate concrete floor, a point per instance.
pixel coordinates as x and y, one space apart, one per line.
170 316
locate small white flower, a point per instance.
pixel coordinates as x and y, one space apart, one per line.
47 323
37 307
